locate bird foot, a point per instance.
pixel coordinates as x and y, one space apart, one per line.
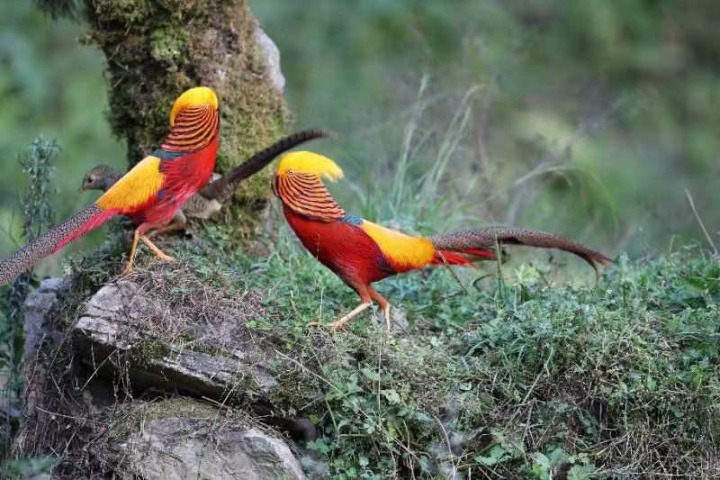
165 257
158 253
339 324
128 269
334 326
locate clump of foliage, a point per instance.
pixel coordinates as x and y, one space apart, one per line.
524 380
37 215
515 376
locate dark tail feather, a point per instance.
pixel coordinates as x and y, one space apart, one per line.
52 241
482 241
223 188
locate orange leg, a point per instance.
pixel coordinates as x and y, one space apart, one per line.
338 324
133 251
365 301
140 235
158 253
367 294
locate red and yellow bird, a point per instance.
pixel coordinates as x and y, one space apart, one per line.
361 252
151 192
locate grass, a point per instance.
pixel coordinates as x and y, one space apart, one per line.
518 379
38 163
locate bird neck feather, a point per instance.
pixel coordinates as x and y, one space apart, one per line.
305 194
194 128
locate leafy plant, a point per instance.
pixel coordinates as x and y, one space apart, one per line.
37 214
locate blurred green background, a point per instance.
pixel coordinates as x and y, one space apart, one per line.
586 118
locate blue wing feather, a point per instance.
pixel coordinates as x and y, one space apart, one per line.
352 220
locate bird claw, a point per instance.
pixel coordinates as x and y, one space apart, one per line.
333 327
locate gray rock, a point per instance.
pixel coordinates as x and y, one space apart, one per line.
183 339
36 312
398 320
195 443
272 59
120 332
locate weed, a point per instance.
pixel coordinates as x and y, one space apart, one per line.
37 214
541 381
549 383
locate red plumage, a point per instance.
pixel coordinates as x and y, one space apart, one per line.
184 176
464 258
342 247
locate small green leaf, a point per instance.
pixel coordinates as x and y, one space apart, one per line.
392 396
581 472
496 455
542 460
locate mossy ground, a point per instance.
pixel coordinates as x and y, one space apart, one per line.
521 377
511 375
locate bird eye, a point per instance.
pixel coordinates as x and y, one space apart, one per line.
291 171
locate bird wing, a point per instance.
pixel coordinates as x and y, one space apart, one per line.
403 252
134 189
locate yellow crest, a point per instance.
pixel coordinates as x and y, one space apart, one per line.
194 97
309 163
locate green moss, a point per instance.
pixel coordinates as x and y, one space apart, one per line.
150 350
125 12
135 414
179 407
158 49
169 45
630 363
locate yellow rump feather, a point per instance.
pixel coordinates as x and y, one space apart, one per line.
412 252
309 163
135 188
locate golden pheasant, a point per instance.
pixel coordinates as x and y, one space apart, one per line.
151 192
210 199
361 252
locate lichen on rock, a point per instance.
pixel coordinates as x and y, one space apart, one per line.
183 438
174 335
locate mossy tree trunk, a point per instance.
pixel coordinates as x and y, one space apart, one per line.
155 49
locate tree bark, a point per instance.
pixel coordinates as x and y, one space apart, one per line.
157 49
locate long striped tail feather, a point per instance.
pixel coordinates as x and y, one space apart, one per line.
480 244
53 240
223 188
